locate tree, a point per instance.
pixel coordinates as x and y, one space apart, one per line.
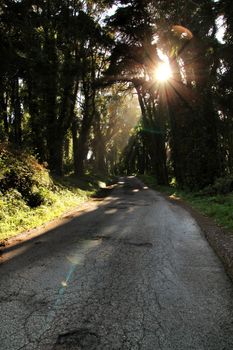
135 60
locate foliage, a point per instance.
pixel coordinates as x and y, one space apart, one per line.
59 61
222 185
29 196
21 176
182 116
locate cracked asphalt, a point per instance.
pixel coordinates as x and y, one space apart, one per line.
132 272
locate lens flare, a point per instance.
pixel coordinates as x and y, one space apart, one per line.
163 72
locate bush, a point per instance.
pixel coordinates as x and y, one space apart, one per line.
222 185
35 200
20 172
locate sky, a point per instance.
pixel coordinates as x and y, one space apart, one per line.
219 22
221 29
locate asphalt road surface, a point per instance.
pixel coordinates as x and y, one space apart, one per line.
130 272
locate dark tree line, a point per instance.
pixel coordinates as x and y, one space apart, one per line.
188 118
60 61
51 54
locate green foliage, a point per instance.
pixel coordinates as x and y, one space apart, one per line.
22 174
29 196
53 53
222 185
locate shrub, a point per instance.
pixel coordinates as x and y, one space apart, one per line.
35 199
20 171
222 185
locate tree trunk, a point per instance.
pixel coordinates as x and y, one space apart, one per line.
81 152
56 152
154 137
99 146
17 125
37 120
3 111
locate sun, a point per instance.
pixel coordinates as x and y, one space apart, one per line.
163 72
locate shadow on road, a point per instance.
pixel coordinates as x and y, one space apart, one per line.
74 227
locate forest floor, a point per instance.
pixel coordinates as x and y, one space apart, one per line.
129 271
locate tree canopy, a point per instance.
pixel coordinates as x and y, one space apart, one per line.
79 89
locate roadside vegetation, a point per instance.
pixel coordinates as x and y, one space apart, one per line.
29 196
215 201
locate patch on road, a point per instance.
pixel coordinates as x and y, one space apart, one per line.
125 241
81 339
140 244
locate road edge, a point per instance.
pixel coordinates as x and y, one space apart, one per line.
35 232
219 238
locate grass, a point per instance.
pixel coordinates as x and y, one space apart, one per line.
30 196
219 207
67 193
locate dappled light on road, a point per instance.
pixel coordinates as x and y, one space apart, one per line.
108 270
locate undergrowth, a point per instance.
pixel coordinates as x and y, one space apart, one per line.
29 196
213 201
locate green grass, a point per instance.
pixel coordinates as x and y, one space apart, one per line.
30 197
219 207
67 193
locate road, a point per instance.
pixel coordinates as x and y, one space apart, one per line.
131 272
